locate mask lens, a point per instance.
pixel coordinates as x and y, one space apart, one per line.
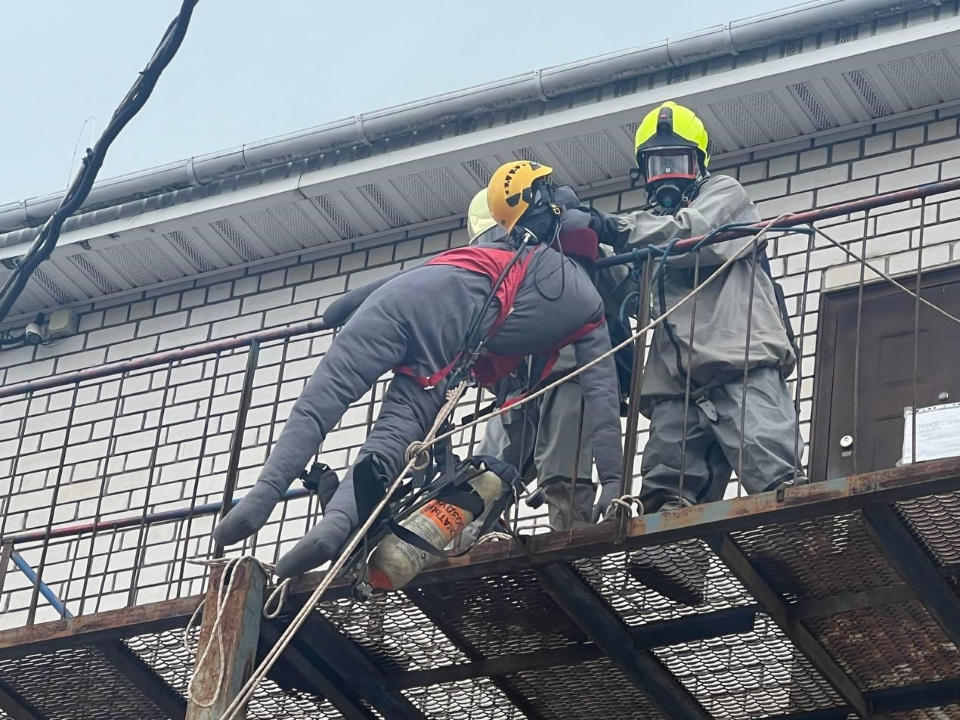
670 164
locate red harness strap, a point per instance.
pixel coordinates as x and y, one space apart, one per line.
490 367
553 354
489 262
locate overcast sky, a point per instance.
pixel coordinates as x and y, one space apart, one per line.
251 69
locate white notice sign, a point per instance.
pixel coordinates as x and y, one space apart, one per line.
938 433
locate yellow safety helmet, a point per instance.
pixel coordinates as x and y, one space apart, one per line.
513 190
671 125
479 219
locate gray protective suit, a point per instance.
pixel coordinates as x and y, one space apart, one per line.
544 438
419 319
713 356
541 440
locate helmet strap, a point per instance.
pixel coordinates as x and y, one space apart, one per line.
542 221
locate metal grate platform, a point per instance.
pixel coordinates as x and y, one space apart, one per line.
812 610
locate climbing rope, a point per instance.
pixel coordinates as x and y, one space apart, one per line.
886 277
575 373
414 456
246 692
229 566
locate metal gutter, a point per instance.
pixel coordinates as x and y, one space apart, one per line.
541 85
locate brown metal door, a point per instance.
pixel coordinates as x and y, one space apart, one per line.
886 372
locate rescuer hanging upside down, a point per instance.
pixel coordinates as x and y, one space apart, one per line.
418 323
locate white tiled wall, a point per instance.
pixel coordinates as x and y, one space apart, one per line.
178 420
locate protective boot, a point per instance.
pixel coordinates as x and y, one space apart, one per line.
362 488
678 571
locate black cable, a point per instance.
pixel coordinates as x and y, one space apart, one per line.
22 337
135 99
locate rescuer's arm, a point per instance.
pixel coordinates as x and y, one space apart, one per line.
720 201
601 397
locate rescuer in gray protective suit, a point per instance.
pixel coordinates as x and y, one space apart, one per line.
417 323
686 201
544 438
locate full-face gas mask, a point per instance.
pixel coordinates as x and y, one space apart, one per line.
669 173
542 220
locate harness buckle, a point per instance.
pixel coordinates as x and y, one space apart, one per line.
708 409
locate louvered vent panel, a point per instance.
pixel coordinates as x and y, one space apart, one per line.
583 98
601 146
876 105
236 240
819 116
62 296
526 153
416 189
478 170
742 123
467 125
941 73
302 229
189 252
774 120
891 23
625 87
911 81
273 233
719 65
389 212
94 274
130 266
792 47
847 34
450 192
154 261
746 59
335 217
581 162
921 16
679 75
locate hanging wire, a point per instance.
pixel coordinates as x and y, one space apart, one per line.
92 161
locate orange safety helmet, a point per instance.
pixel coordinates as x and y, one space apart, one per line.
512 191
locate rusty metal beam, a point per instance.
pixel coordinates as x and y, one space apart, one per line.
915 567
108 625
607 630
16 707
786 620
850 602
903 699
799 503
144 679
355 669
645 637
219 680
474 655
317 675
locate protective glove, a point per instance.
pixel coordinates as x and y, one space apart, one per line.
566 198
250 514
609 491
